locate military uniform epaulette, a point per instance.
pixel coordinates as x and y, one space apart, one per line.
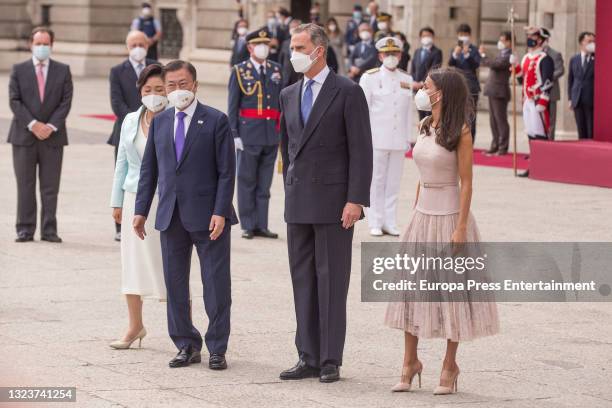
401 70
372 70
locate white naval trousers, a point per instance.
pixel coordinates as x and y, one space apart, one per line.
386 177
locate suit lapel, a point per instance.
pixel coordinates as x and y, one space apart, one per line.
326 95
34 81
49 78
298 100
192 133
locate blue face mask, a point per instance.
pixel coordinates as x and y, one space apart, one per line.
531 43
41 52
356 15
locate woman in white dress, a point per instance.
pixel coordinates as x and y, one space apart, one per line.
141 262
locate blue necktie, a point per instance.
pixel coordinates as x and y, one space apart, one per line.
307 101
179 136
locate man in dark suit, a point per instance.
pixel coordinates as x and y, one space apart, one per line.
253 91
190 159
239 47
497 89
580 84
425 58
326 145
125 97
40 95
364 55
466 58
555 92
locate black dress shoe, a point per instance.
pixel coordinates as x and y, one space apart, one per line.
524 174
118 236
490 152
217 362
24 238
329 373
185 357
265 233
299 371
51 238
247 234
501 153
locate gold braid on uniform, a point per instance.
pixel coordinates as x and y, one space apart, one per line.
256 87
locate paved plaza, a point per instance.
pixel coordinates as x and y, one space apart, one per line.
60 305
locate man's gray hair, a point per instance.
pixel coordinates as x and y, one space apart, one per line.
317 34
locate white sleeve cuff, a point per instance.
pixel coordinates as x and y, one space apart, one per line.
52 127
31 124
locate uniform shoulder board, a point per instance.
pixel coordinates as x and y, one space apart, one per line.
401 70
373 70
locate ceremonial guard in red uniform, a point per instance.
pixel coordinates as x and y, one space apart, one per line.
535 72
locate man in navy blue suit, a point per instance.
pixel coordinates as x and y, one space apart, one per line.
190 159
581 85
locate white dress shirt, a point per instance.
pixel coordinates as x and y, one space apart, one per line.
256 65
316 86
135 65
189 111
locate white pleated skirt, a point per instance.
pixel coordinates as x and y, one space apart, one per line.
141 261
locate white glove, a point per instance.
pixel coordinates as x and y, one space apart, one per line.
238 143
513 59
540 108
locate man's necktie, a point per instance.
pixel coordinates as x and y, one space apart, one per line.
40 77
139 69
179 136
307 101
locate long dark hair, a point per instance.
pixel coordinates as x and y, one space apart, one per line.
457 107
150 71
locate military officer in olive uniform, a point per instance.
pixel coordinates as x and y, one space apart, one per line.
254 116
389 96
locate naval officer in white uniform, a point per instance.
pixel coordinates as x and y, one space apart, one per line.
389 95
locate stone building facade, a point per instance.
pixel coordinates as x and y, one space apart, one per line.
90 33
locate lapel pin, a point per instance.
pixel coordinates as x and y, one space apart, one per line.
200 122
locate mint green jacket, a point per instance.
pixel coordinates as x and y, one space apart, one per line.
127 168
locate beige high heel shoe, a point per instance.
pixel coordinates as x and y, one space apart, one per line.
122 345
407 386
443 390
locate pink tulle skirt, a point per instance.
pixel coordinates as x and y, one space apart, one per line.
455 321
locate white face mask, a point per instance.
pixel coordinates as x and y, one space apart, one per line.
138 54
501 45
261 51
365 35
155 103
41 52
423 101
390 62
590 48
302 62
146 12
332 27
241 31
181 98
465 39
426 41
383 26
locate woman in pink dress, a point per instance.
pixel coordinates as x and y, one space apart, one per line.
443 155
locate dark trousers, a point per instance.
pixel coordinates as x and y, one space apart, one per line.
500 129
152 52
320 264
552 117
117 225
584 121
255 171
26 160
473 124
177 244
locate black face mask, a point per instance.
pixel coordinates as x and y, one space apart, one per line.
531 43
